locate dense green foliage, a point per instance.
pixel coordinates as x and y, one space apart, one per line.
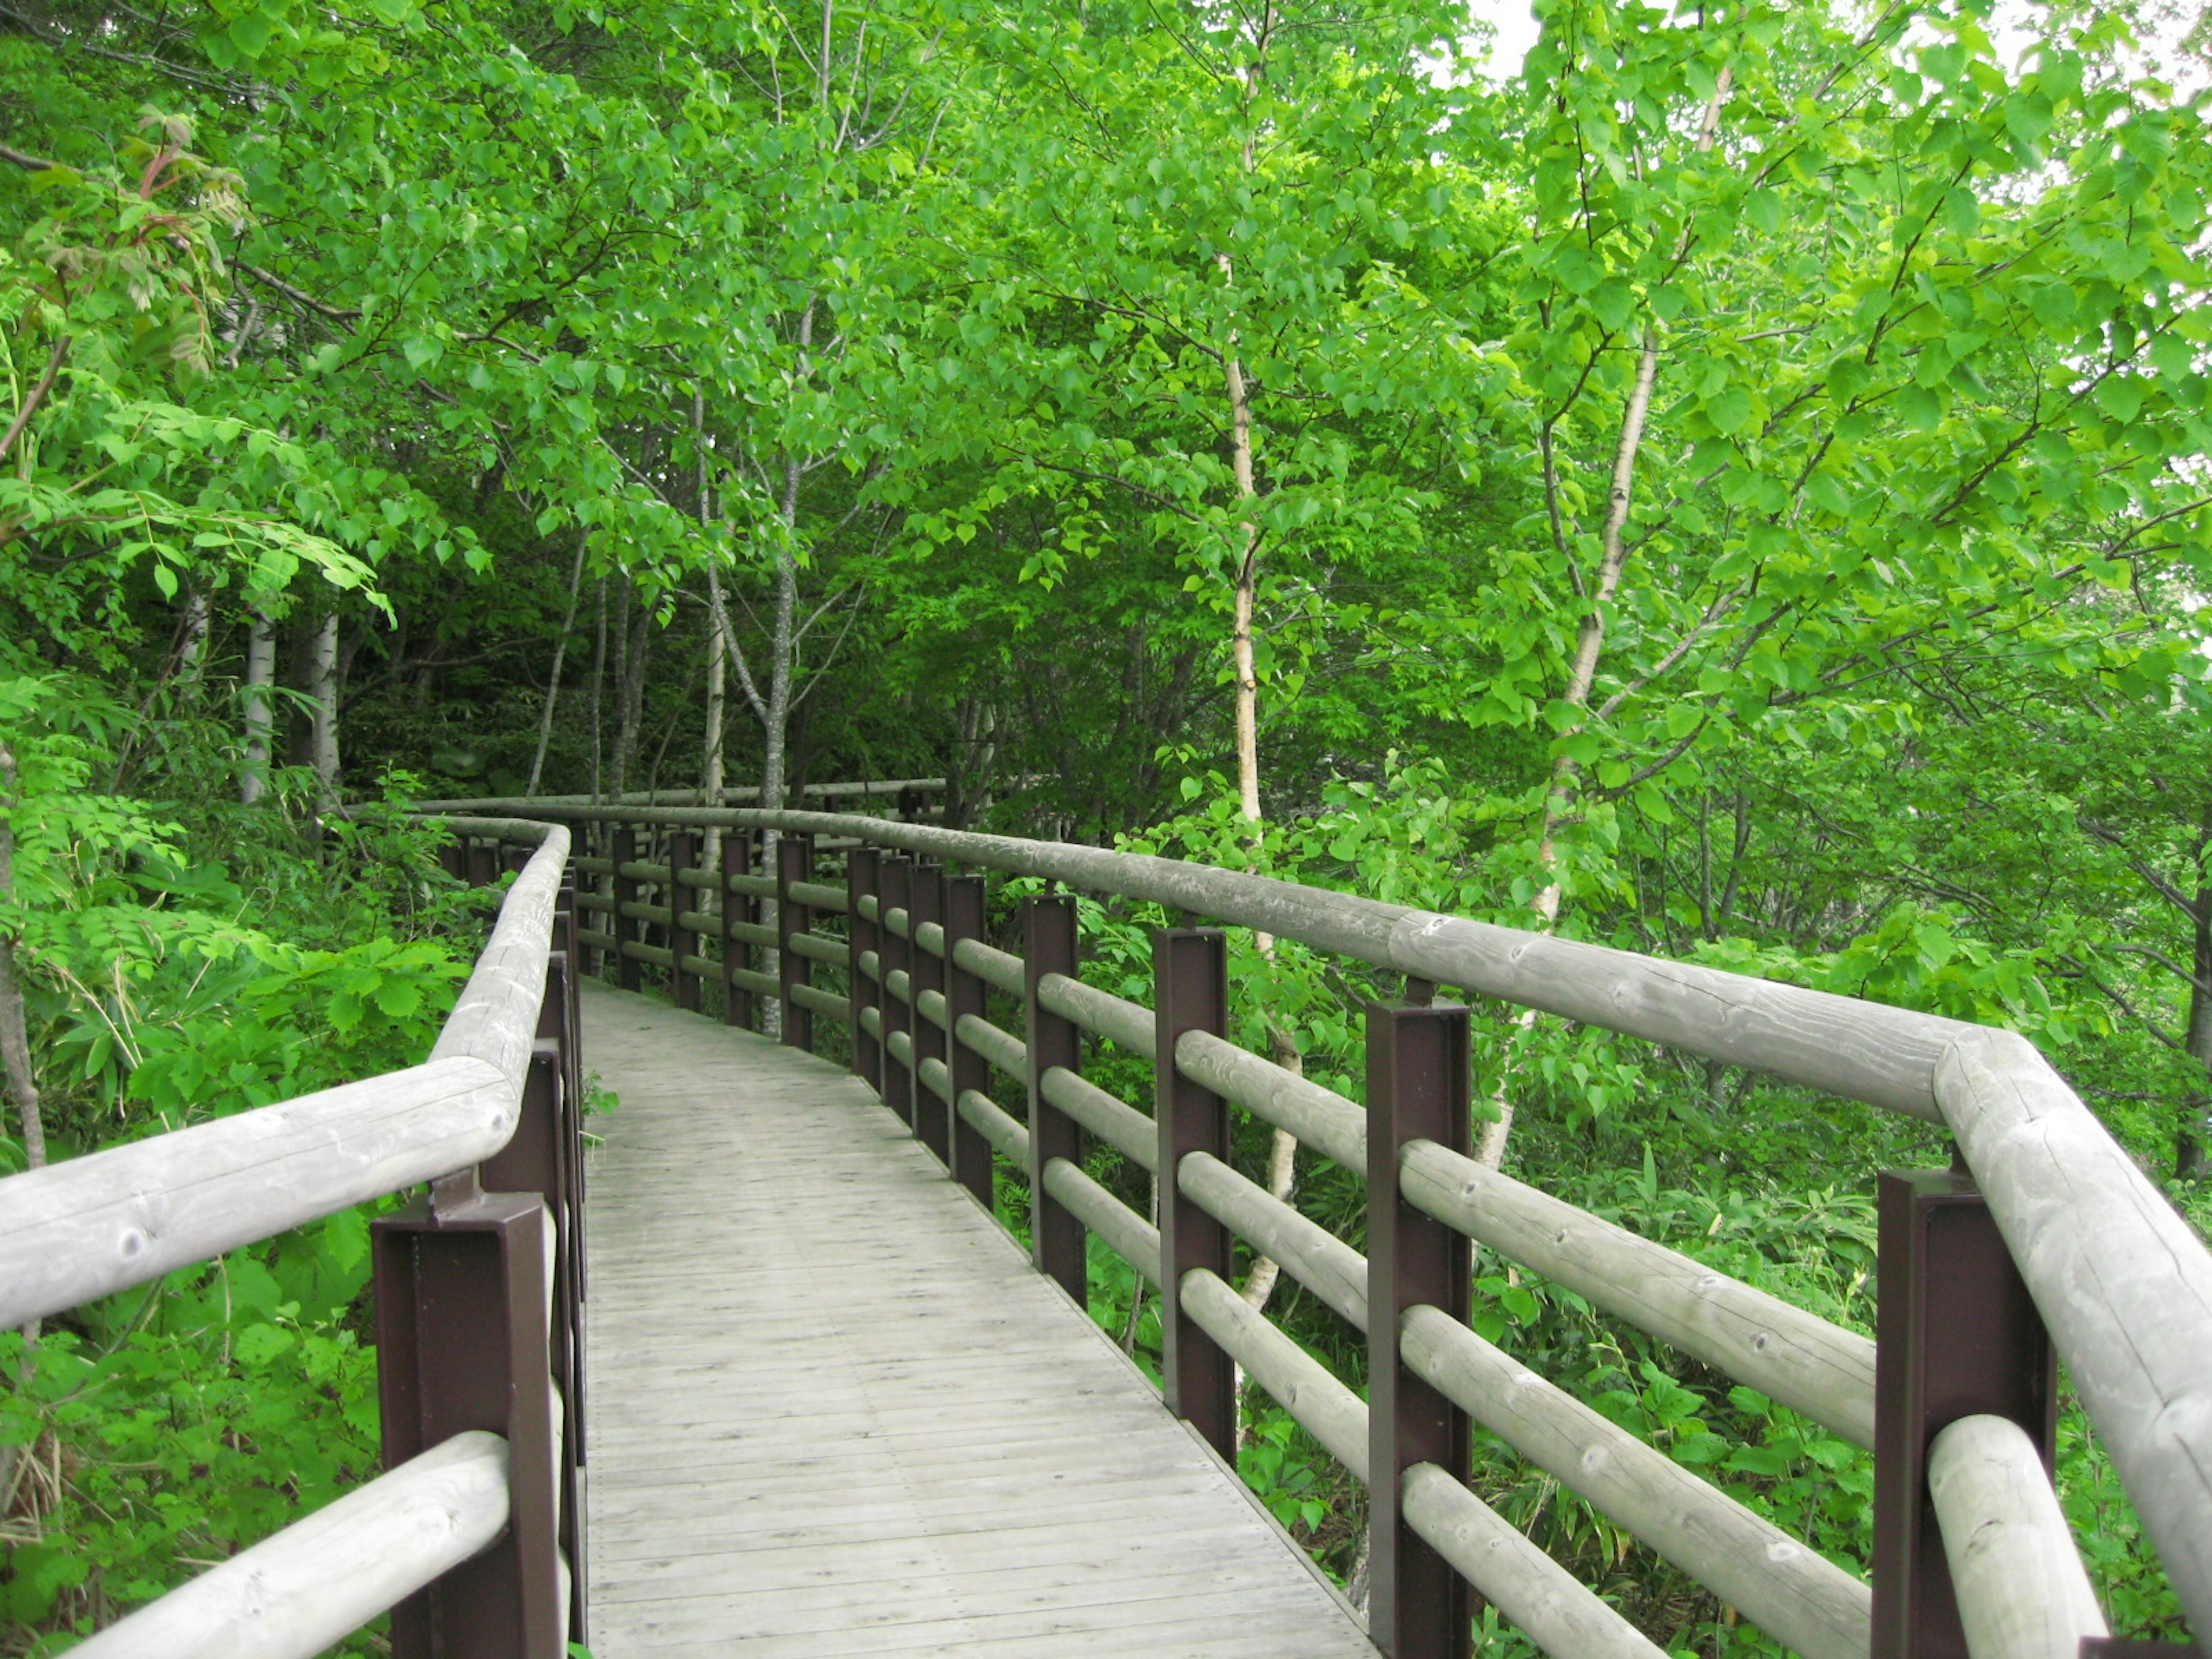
1737 490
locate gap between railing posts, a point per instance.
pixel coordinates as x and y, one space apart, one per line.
629 972
932 1114
864 934
1418 1088
794 863
739 855
895 958
683 857
965 916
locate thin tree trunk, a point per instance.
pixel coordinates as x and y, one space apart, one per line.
322 690
192 651
633 637
1589 648
16 1068
14 1038
260 682
710 769
559 656
1282 1047
599 687
2189 1136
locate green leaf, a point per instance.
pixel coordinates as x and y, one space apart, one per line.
2121 396
251 34
1729 412
1920 408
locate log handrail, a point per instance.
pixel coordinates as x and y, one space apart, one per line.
2124 1286
91 1226
87 1227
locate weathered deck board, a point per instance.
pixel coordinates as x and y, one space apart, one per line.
833 1411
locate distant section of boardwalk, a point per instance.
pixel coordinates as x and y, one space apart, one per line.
833 1411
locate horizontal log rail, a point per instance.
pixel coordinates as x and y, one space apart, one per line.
2123 1288
317 1582
490 1121
2021 1591
1560 1613
1801 1599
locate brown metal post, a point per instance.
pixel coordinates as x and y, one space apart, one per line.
545 1158
683 854
794 862
1956 1334
738 848
463 1343
894 874
1190 992
932 1117
628 971
862 881
1058 1242
1417 1090
964 919
601 840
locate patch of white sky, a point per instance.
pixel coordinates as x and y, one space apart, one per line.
1513 31
2164 26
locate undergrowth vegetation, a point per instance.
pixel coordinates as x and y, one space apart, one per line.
197 959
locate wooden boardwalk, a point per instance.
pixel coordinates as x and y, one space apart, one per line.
832 1411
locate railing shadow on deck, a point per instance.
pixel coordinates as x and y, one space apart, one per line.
2043 1244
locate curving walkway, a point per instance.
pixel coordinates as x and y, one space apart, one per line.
833 1411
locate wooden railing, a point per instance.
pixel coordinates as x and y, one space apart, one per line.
473 1537
2043 1243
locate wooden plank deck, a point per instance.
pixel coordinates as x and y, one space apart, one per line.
833 1411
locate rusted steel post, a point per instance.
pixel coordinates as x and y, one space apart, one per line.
894 873
738 847
932 1117
1956 1334
1057 1240
1190 991
1417 1090
964 919
463 1342
683 854
863 881
628 971
794 862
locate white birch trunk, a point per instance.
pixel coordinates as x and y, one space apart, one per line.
1589 648
260 684
322 689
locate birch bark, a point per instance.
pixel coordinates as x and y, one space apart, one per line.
1589 650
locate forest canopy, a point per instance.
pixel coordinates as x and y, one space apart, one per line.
1736 488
